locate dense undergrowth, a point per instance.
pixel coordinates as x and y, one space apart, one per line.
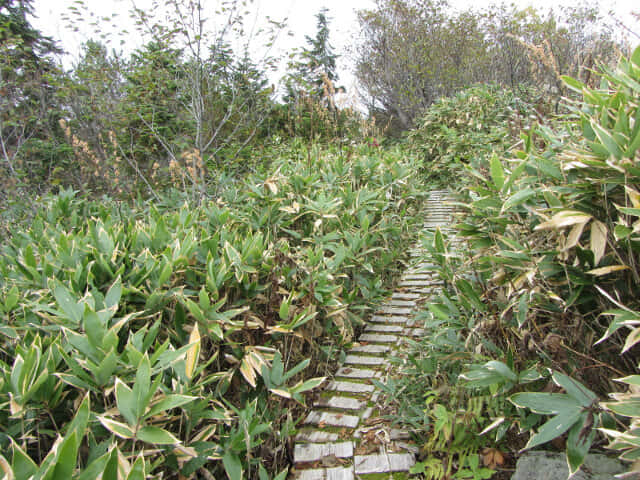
533 341
175 339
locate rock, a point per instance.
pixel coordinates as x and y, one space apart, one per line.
389 462
337 473
311 452
553 466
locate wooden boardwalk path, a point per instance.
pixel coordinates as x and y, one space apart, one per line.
342 438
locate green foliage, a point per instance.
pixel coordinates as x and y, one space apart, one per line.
186 335
414 53
548 277
473 124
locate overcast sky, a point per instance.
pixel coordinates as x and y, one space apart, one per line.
300 14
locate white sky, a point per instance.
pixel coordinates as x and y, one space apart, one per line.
300 14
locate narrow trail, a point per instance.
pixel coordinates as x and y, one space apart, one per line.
343 437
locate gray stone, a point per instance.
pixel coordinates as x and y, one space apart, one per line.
371 349
396 434
350 387
311 452
395 310
418 283
335 473
332 419
426 265
356 373
388 318
405 296
553 466
389 462
362 360
417 276
402 303
383 328
341 403
367 413
316 436
426 291
375 338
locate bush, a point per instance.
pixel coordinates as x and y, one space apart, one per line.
542 303
159 340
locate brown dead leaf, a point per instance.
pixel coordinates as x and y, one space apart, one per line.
492 458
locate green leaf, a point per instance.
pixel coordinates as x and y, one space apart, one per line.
470 294
165 273
497 172
168 402
232 465
126 402
545 403
554 428
523 308
515 174
11 300
67 455
141 389
295 370
518 198
114 294
156 436
138 469
81 419
68 304
502 369
626 408
635 56
579 441
118 428
573 84
93 327
607 140
438 242
23 466
308 384
574 389
98 468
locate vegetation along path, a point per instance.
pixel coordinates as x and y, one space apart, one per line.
343 436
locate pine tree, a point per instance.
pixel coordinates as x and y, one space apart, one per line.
27 86
318 60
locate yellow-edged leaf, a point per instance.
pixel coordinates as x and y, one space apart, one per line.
574 235
566 218
271 185
6 469
634 196
280 393
248 372
598 240
193 352
598 272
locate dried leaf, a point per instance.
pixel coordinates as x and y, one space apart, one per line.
248 372
492 458
574 236
598 272
193 352
598 240
565 218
